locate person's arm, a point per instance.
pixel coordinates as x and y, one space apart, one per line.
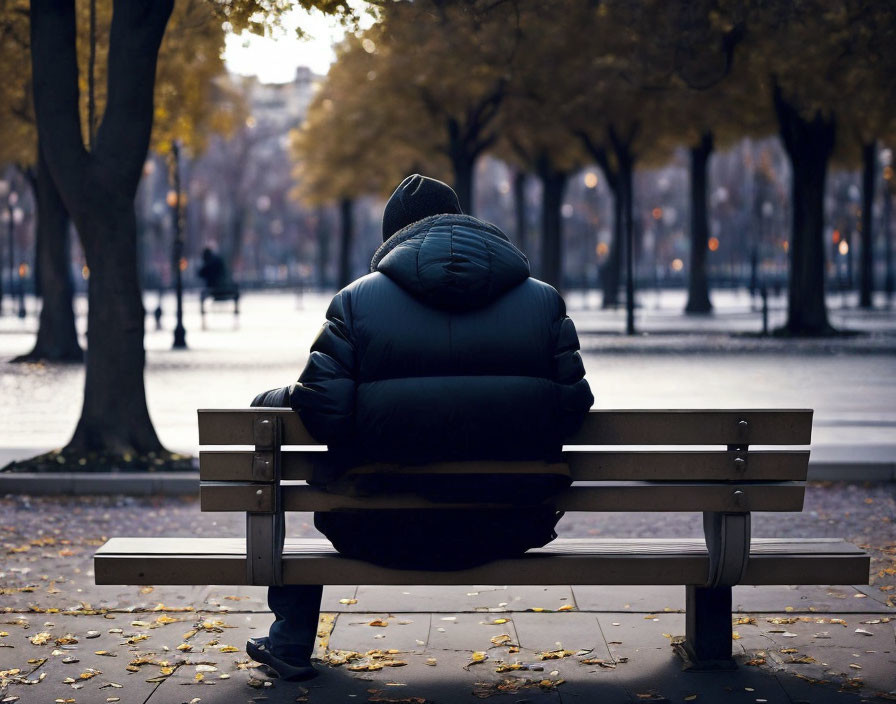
324 395
569 373
275 398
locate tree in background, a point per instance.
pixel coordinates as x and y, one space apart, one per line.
447 67
353 141
866 118
97 187
57 339
822 59
707 119
622 76
532 123
188 106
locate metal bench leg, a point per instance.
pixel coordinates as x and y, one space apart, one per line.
707 644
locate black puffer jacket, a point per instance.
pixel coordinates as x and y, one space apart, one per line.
447 350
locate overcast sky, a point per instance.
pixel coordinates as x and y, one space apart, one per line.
274 60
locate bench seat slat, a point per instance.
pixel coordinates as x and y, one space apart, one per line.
768 465
601 427
564 561
631 496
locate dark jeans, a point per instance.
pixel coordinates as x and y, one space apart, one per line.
296 607
296 610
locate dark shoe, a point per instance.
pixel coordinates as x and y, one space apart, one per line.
259 650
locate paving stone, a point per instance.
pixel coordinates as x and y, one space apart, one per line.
572 631
453 679
469 631
331 685
834 648
464 598
54 671
809 598
625 598
652 667
404 632
753 599
246 598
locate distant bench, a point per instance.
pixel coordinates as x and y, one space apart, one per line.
226 292
726 484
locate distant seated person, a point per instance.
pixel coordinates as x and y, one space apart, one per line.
448 351
218 285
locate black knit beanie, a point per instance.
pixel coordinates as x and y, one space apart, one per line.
417 197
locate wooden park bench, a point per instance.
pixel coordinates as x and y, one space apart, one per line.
726 482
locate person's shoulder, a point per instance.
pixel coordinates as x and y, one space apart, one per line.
546 294
364 289
363 283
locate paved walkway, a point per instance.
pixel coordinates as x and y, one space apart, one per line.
175 658
684 362
809 644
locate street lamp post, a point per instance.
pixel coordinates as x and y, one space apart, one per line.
180 334
4 191
22 269
13 217
11 231
886 158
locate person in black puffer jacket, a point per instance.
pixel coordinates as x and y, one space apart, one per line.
447 351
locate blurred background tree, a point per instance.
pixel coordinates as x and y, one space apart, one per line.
97 174
355 141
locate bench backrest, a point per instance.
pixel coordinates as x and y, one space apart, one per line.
728 477
611 459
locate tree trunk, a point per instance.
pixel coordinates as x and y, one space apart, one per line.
463 166
323 248
809 144
698 285
889 275
346 235
611 271
519 210
98 190
553 184
866 267
57 338
232 247
626 172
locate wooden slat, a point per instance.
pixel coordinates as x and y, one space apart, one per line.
570 561
632 496
766 465
695 427
252 498
603 427
235 426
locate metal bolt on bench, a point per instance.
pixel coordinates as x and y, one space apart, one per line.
725 485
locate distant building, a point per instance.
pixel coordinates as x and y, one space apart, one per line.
278 106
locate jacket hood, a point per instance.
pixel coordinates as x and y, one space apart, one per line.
453 262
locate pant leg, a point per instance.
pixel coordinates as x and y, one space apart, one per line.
296 607
296 610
